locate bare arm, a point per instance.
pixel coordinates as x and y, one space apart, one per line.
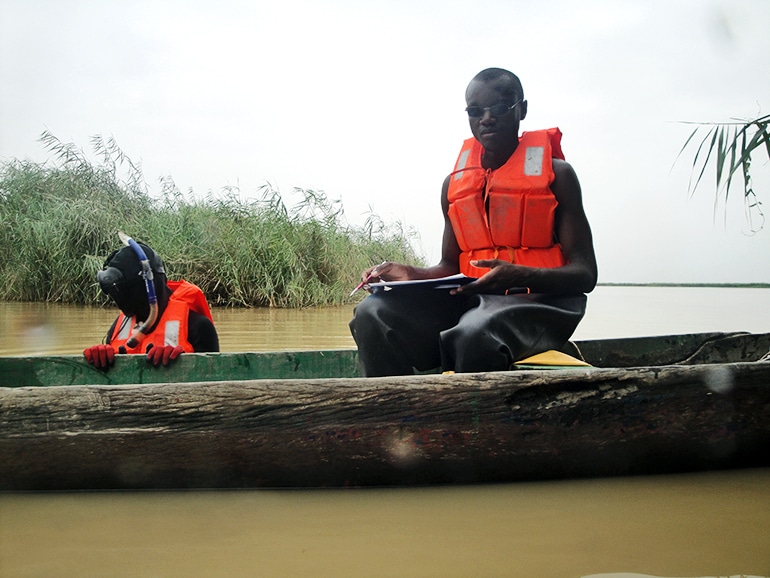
573 232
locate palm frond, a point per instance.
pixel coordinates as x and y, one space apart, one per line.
731 146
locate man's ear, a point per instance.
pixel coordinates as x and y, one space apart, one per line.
522 110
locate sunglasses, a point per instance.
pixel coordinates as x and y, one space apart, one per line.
495 110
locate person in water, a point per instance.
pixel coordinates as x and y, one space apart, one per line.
513 221
159 318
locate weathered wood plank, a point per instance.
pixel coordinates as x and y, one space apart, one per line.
461 428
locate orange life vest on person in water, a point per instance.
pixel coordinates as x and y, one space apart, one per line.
507 213
172 328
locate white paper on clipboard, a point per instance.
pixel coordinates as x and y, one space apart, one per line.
450 282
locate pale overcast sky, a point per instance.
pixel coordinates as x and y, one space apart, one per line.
365 100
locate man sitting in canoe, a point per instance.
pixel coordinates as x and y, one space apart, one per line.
159 318
514 221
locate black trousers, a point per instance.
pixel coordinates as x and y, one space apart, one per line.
406 329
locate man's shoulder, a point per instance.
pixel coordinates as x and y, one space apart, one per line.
562 169
561 164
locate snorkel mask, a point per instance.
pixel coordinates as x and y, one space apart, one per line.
113 281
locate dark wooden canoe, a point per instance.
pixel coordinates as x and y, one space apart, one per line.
305 419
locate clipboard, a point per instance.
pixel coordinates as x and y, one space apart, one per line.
445 283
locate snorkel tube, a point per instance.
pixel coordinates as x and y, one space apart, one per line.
144 328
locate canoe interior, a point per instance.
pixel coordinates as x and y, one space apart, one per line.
687 349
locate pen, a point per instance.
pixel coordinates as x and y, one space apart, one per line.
368 278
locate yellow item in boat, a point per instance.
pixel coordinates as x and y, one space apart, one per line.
553 357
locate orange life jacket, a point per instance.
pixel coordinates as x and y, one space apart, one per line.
507 213
172 328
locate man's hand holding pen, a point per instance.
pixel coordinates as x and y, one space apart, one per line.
385 271
368 276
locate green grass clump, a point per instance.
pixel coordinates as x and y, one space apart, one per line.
60 221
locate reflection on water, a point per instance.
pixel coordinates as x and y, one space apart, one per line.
284 329
713 524
47 329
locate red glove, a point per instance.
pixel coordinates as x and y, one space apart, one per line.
164 354
100 356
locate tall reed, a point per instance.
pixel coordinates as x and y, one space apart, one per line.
60 221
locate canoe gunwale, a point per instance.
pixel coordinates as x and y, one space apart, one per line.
706 348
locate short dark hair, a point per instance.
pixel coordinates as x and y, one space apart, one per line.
488 74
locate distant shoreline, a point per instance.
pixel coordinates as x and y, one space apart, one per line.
724 285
